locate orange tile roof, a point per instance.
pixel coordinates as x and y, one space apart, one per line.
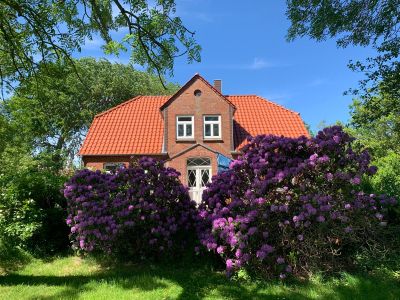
136 126
133 127
255 115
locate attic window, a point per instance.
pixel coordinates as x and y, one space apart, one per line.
197 93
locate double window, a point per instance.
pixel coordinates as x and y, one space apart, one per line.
112 167
212 127
184 127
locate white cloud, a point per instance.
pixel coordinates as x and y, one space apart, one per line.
259 63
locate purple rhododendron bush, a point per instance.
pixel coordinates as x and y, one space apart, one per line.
292 205
141 211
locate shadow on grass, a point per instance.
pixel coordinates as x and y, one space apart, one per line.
199 280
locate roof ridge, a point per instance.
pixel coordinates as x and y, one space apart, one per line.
242 95
118 106
215 90
278 105
197 75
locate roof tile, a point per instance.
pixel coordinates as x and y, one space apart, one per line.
136 126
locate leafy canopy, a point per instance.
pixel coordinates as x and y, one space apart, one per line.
34 31
376 124
361 22
55 117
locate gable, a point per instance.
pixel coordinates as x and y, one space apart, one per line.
199 81
191 148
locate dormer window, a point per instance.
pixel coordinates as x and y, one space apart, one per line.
212 127
184 127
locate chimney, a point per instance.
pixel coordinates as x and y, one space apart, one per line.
218 85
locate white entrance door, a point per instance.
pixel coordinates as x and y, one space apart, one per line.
198 176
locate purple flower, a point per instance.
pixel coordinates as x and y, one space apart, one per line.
280 176
280 260
252 230
321 219
238 253
274 208
267 248
220 249
261 254
336 139
300 237
355 181
260 201
323 159
329 176
229 264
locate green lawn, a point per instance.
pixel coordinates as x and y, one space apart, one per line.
76 278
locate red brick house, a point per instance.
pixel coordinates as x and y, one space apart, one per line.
188 130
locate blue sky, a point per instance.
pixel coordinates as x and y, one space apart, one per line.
244 44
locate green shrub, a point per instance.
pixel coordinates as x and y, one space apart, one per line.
32 208
387 179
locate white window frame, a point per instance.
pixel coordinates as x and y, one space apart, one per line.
115 165
184 123
196 192
212 123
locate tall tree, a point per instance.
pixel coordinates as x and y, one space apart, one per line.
54 117
356 22
34 31
4 132
376 125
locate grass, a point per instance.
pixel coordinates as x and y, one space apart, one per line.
77 278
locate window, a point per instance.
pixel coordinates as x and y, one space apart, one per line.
212 126
198 161
184 127
112 167
197 93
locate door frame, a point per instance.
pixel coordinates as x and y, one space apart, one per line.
199 188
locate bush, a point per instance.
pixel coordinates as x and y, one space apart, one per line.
32 208
387 179
292 205
142 210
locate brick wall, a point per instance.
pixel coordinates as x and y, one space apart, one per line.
180 163
97 161
186 103
209 103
